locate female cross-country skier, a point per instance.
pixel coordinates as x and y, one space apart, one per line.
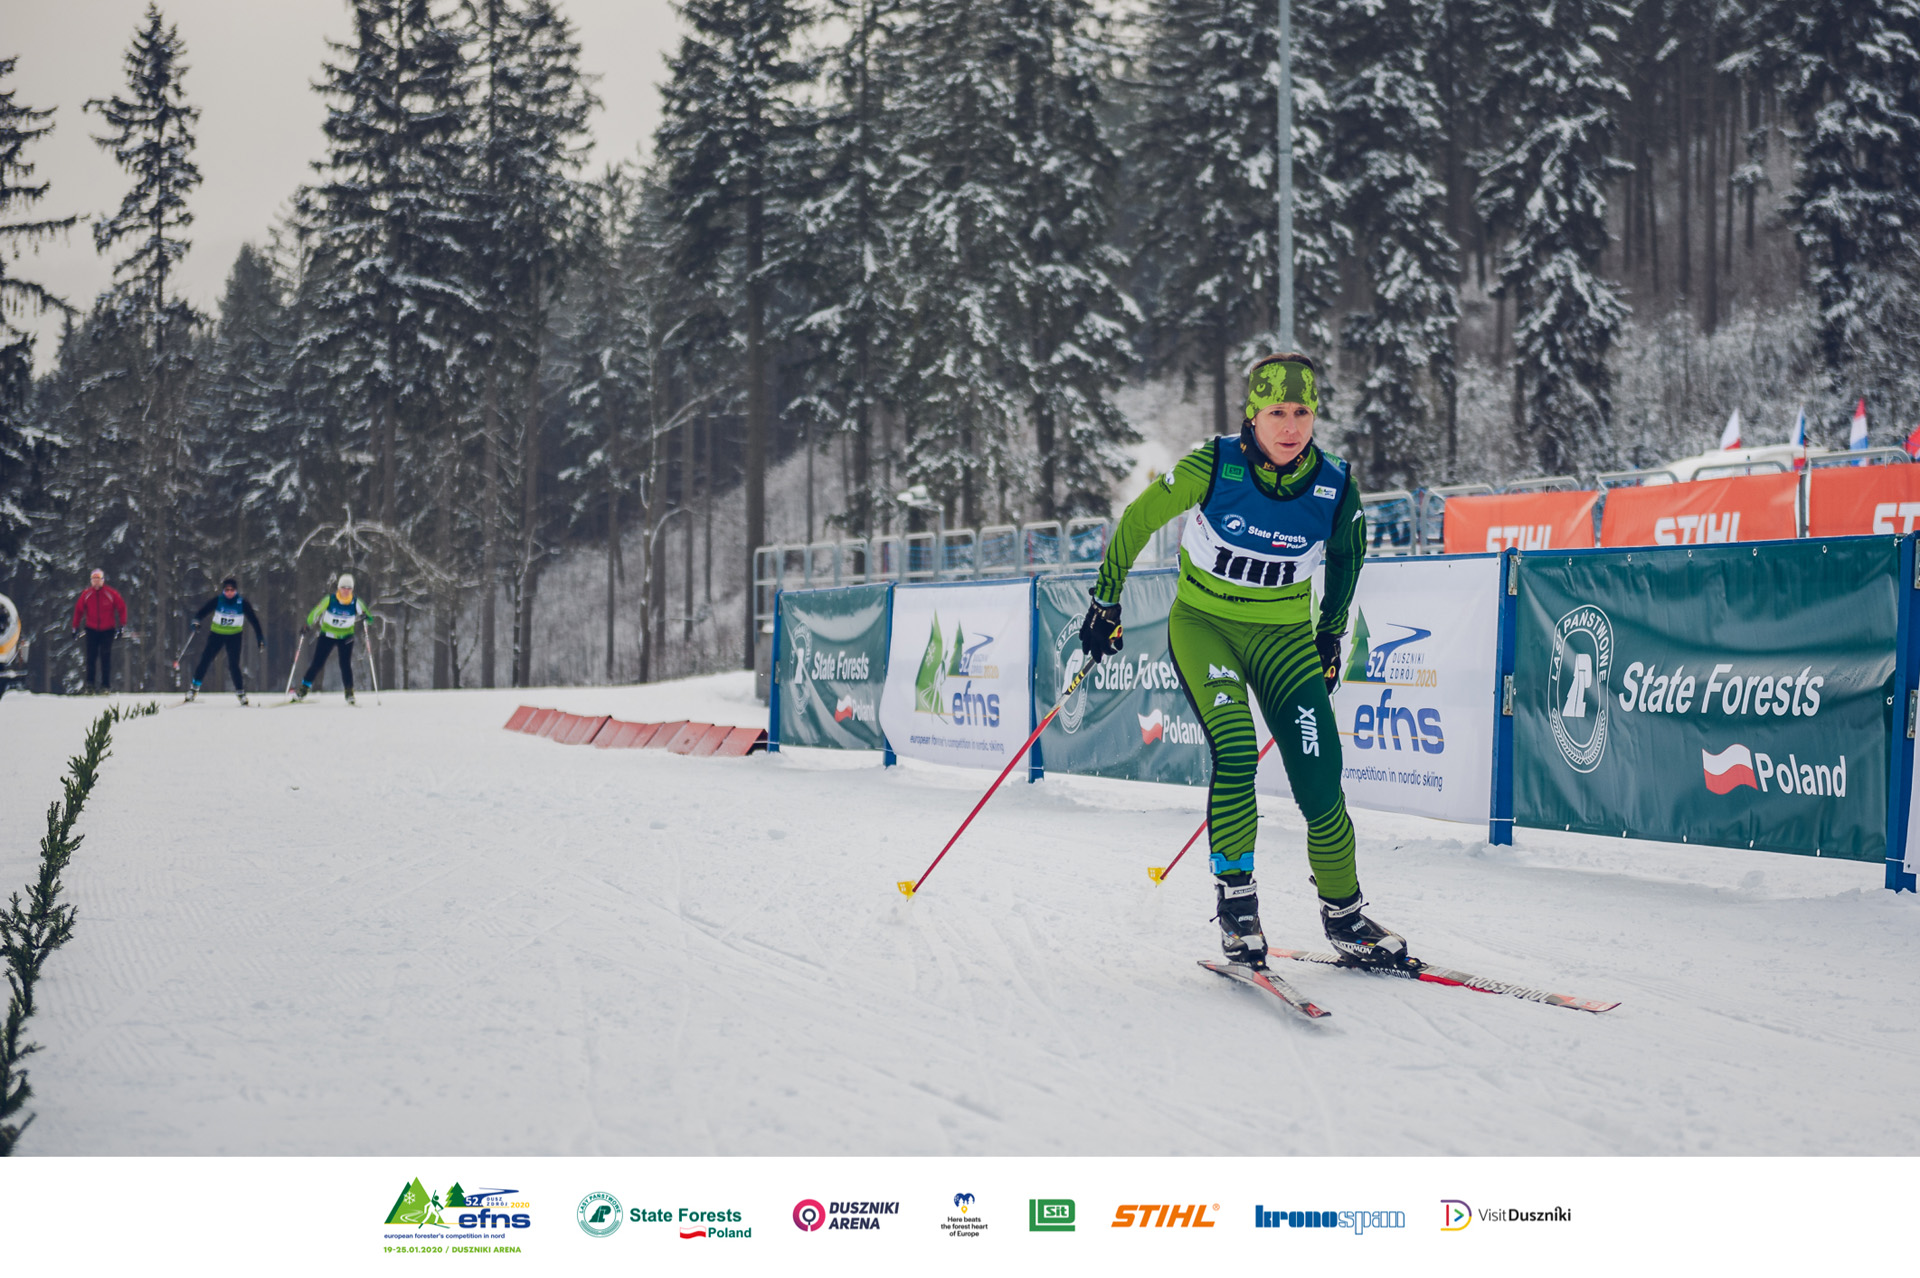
231 613
336 616
1272 507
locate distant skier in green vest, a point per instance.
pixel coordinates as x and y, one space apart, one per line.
1271 507
336 615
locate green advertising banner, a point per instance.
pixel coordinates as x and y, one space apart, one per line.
833 663
1733 695
1130 719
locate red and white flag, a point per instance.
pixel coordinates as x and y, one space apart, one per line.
1913 440
1151 726
1729 770
1730 437
1857 437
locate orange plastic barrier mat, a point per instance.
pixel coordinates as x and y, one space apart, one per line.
520 717
1847 500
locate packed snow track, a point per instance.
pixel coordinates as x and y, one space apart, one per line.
397 928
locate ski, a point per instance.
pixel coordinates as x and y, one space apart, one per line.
1419 971
1263 979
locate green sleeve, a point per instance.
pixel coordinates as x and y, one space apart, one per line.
1182 488
314 616
1346 551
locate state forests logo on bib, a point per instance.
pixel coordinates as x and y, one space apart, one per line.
1577 686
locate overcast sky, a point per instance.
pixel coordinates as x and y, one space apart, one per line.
251 65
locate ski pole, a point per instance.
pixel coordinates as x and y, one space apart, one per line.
909 887
1159 873
191 627
373 662
296 663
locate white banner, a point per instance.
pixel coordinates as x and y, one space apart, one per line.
1416 701
958 673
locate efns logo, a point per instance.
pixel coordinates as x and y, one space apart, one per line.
1374 726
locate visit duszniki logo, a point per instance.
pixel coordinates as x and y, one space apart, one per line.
1577 686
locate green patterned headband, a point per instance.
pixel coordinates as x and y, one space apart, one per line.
1281 381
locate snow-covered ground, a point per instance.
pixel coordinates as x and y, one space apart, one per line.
399 928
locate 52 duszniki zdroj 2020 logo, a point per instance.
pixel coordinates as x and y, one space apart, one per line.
1577 686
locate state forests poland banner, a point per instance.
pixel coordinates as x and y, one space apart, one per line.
1416 702
959 672
1523 521
832 666
1706 511
1844 501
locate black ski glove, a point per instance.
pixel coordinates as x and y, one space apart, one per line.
1100 632
1329 646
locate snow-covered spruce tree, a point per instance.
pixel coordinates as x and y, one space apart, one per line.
1543 191
390 233
727 143
965 275
1204 151
1850 72
150 132
27 454
530 116
1078 322
1388 134
852 225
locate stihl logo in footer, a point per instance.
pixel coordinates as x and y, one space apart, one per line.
1164 1216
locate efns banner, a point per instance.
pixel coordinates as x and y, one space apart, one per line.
958 684
1732 695
833 664
1416 703
1131 718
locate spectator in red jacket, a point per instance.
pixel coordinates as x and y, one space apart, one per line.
102 612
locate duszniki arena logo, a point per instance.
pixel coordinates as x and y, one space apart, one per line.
809 1215
599 1214
1577 686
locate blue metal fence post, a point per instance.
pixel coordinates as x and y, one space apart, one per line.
1036 761
887 756
773 681
1500 807
1901 711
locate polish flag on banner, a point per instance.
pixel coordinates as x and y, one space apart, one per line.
1857 437
1151 726
1730 437
843 711
1729 770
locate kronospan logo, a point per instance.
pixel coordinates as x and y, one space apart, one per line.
1577 686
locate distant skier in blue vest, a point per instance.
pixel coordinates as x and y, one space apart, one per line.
336 615
231 613
1271 507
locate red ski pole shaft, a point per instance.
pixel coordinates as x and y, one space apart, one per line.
1161 876
908 889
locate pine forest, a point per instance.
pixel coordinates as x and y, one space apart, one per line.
543 402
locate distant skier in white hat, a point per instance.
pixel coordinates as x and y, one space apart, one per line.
336 615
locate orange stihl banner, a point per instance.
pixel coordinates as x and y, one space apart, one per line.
1744 508
1846 500
1523 521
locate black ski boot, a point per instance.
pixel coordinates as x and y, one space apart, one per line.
1358 939
1238 912
349 696
300 693
192 692
243 698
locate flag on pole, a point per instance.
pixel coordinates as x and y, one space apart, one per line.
1798 438
1857 437
1730 437
1913 441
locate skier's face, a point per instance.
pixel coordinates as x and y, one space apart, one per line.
344 594
98 580
1283 430
229 591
